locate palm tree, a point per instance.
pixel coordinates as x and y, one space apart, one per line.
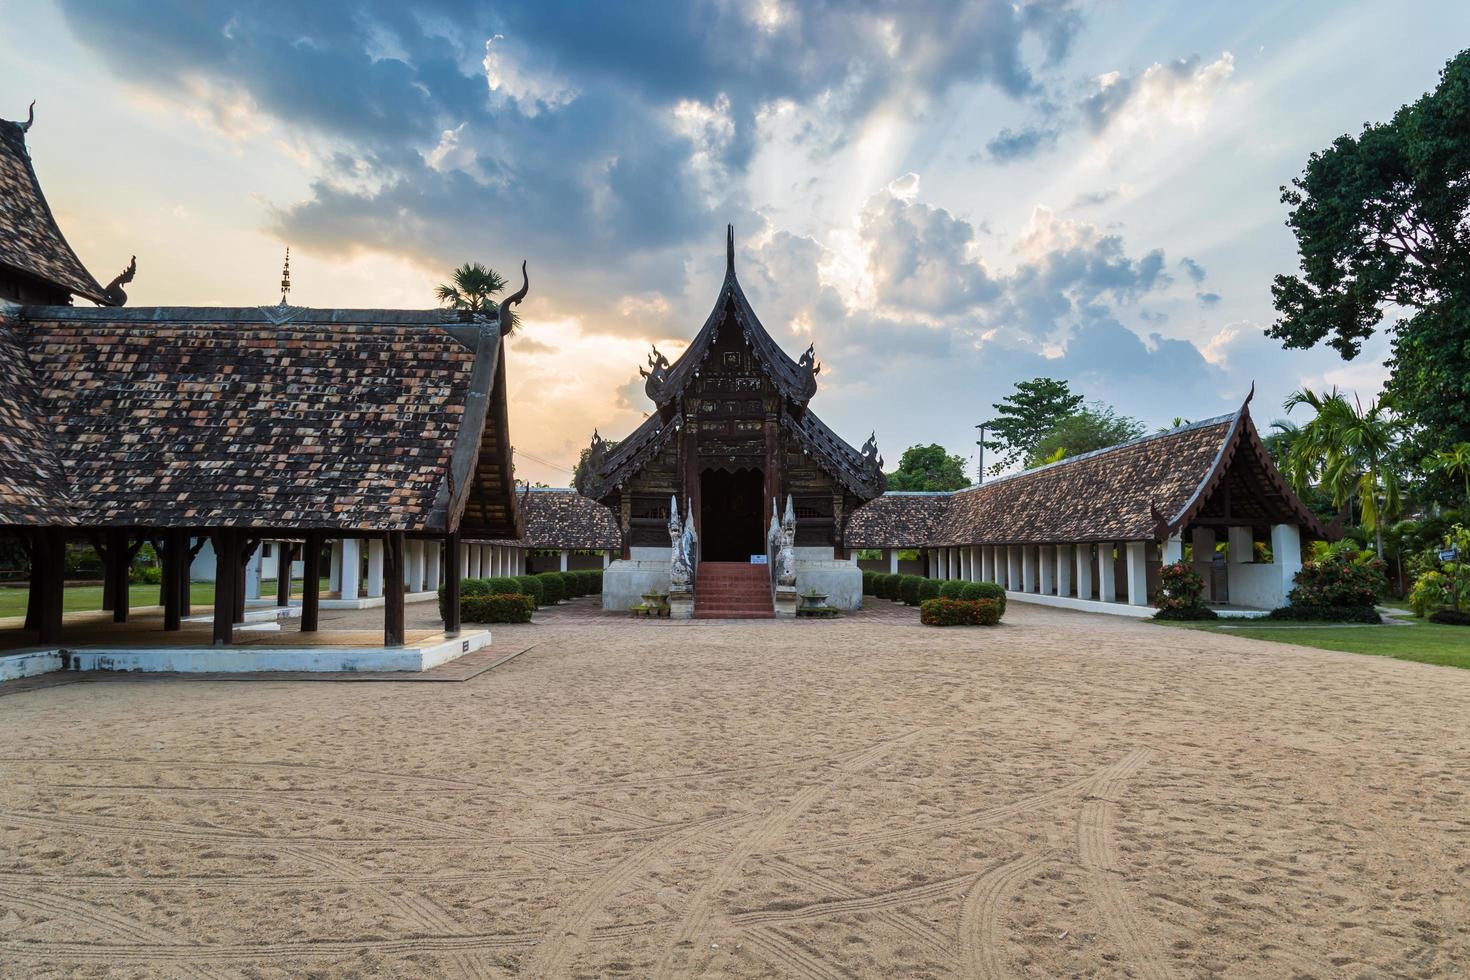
474 288
1279 440
1453 462
1345 449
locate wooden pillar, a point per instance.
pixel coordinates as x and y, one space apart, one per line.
117 572
311 581
175 561
51 552
393 589
284 552
228 585
452 570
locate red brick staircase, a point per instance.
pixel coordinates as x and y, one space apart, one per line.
732 590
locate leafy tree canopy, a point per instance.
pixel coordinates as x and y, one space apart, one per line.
1095 427
581 466
928 468
1383 220
1025 415
474 288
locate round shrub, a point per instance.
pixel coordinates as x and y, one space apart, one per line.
501 585
474 586
959 612
1181 594
908 589
553 587
1339 582
952 589
531 585
993 591
929 588
1450 617
869 580
883 585
595 577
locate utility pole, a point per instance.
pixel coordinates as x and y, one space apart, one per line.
980 466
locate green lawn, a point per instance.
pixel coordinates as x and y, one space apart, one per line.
79 598
1427 643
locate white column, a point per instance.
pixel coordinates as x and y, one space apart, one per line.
892 561
1084 571
1137 568
1202 539
252 573
1046 567
1013 568
475 566
563 559
417 554
965 564
464 561
1242 546
375 568
433 559
607 558
1064 569
1107 577
487 560
987 563
1174 548
334 568
351 576
1286 554
957 563
1028 568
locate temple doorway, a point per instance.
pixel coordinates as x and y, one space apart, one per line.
730 514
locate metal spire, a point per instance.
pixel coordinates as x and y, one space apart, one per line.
286 276
730 250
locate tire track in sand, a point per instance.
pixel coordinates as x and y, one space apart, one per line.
1097 853
104 920
897 918
982 917
568 936
791 957
766 833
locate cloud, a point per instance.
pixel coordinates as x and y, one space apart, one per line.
1010 145
1179 93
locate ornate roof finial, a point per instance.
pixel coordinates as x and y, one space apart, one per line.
25 127
730 250
286 277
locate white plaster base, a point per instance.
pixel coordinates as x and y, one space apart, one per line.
842 581
624 581
15 666
238 660
369 602
1083 605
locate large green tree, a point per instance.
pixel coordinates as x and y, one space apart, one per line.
1095 427
1382 220
928 468
1025 415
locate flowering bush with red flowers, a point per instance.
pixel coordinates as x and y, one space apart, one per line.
959 612
1338 582
1181 593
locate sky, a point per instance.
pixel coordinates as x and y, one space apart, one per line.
944 198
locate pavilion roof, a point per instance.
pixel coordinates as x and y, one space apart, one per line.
1142 490
560 517
31 244
268 417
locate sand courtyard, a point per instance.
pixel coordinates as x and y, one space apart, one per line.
1065 795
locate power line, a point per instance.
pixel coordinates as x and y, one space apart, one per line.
544 462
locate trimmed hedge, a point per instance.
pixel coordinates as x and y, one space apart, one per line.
531 585
929 589
1450 617
959 612
870 581
986 590
1327 614
952 589
1183 614
884 585
908 589
553 586
500 585
497 608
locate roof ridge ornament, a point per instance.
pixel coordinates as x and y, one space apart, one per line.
286 278
25 127
503 313
729 250
114 291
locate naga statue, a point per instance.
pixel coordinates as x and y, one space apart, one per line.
114 291
680 574
773 536
809 361
657 374
689 541
872 462
504 315
786 557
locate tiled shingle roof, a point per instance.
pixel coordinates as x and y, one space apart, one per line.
560 517
30 241
328 419
33 488
1135 491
